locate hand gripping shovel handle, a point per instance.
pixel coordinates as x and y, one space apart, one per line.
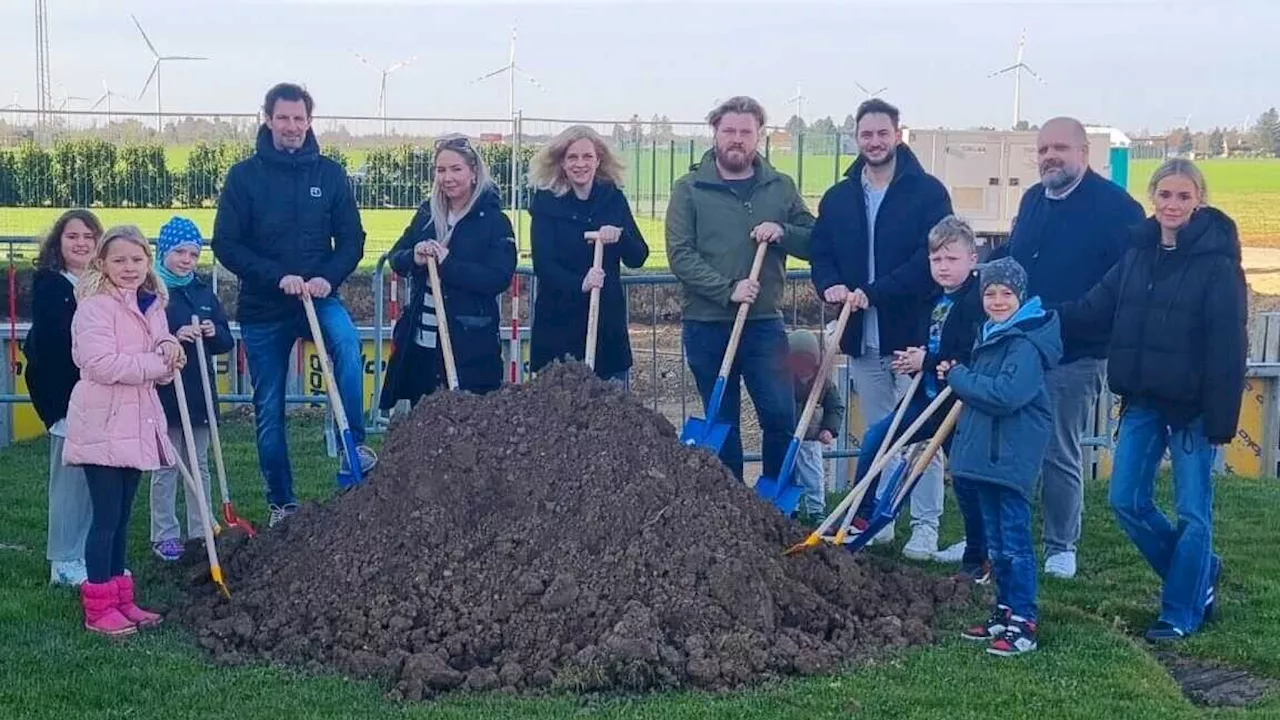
228 510
740 321
196 485
593 314
442 324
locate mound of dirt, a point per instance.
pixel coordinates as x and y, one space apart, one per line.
555 536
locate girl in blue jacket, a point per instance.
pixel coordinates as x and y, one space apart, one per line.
1001 439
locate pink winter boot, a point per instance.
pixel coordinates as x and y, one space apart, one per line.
100 613
124 603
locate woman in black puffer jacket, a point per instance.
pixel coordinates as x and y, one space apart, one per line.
1175 306
577 176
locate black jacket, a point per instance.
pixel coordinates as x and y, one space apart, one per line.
1177 323
960 333
913 203
195 298
562 257
285 214
481 261
51 374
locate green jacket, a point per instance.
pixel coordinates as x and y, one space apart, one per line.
709 241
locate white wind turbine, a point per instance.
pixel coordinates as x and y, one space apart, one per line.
798 99
155 71
512 69
107 95
869 93
1017 68
382 86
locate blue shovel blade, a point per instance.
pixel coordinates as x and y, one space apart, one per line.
780 491
860 540
884 514
703 434
351 475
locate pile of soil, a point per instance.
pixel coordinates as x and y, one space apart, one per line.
554 536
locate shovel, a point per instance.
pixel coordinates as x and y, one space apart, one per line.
229 515
195 485
593 313
709 433
442 324
785 494
353 475
852 499
895 494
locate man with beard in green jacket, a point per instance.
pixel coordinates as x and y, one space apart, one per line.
730 202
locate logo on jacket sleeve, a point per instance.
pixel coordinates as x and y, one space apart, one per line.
315 192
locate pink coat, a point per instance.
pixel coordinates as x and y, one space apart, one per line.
115 418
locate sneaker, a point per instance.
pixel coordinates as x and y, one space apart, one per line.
923 543
978 574
1061 565
71 573
1164 632
992 628
884 537
1211 598
1019 637
280 512
168 550
953 554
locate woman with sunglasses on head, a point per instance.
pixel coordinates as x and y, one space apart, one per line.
578 177
463 227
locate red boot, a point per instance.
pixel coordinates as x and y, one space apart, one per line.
124 603
100 613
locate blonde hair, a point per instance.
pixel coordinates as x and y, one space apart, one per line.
439 203
546 171
95 281
1185 168
949 230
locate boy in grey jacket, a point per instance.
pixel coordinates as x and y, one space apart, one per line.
805 359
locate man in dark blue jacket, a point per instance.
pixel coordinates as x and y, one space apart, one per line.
287 226
1071 228
871 241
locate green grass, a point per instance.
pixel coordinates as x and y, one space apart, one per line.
1248 190
1091 666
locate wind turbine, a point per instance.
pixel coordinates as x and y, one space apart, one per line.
799 99
1017 68
869 93
382 91
512 69
15 105
155 71
107 95
64 99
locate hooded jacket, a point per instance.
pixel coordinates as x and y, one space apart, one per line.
1006 422
1177 320
840 247
282 213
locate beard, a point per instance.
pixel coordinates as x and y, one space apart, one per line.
734 158
1057 176
888 158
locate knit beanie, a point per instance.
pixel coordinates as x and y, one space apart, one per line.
1005 271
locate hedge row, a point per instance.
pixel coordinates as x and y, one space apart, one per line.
97 173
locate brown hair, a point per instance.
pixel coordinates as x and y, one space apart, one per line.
50 256
951 230
740 105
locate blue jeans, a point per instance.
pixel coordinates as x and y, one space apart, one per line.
1182 556
1006 518
761 363
969 498
267 346
872 439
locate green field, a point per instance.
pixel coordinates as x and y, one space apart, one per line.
1091 665
1248 190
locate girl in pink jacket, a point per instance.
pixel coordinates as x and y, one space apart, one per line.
116 427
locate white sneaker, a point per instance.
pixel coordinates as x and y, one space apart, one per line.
953 554
71 573
923 543
884 537
1061 565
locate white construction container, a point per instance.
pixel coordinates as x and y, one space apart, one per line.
987 172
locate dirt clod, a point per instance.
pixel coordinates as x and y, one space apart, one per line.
553 536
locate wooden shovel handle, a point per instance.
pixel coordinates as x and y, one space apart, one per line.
442 324
593 313
739 322
824 371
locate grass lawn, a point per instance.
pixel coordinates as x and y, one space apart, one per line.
1090 666
1248 190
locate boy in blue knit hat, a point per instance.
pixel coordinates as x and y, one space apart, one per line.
177 253
1000 443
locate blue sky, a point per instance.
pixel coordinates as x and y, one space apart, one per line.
1130 63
